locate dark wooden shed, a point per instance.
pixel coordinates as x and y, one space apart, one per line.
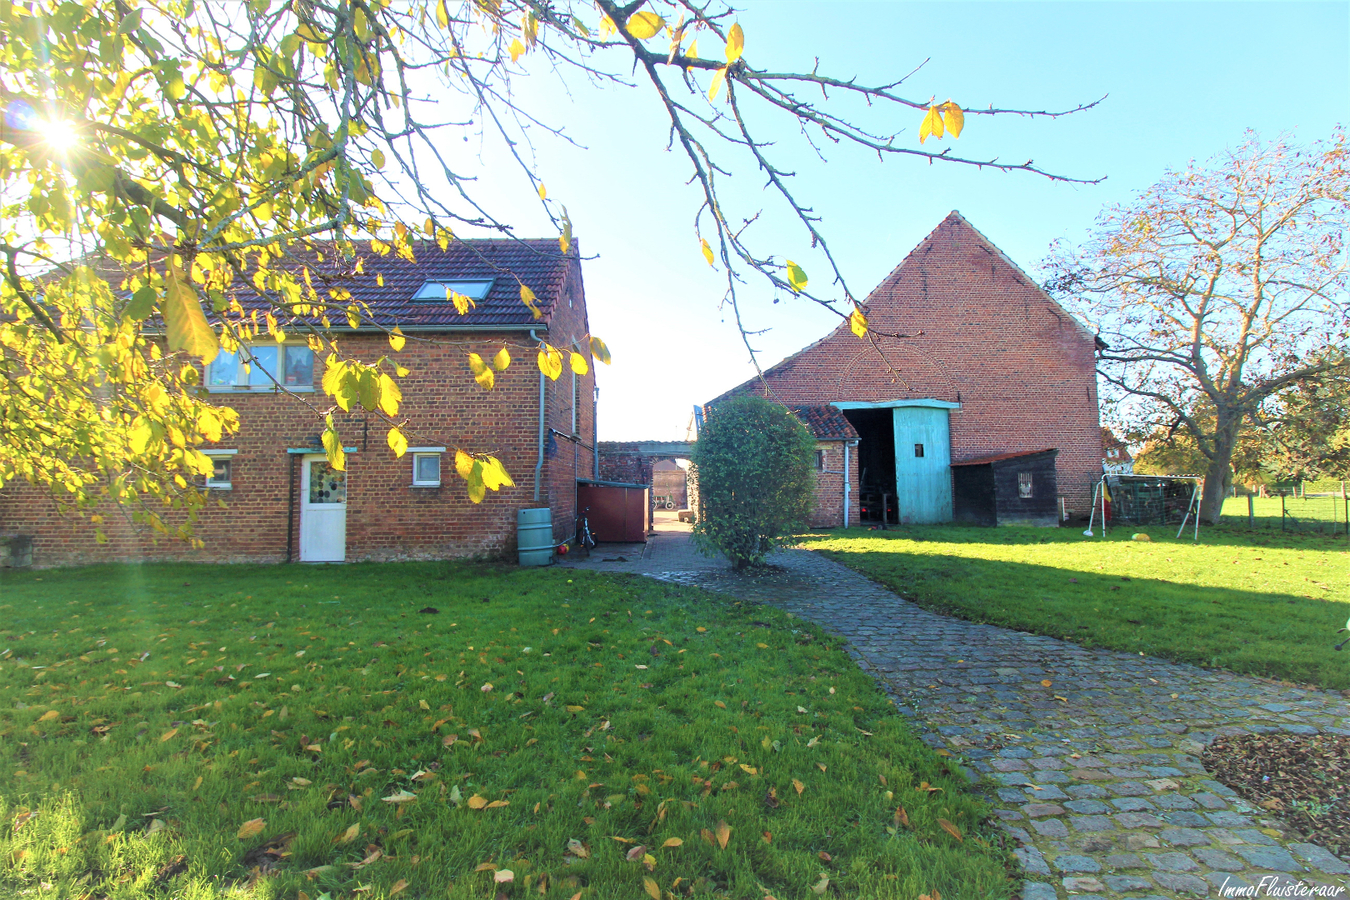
1007 489
617 511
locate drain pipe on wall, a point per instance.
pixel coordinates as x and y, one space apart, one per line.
539 463
847 446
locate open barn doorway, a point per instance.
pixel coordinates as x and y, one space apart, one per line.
876 463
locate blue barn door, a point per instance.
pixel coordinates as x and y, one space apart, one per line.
923 457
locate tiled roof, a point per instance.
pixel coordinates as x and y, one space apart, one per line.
537 263
1000 457
826 422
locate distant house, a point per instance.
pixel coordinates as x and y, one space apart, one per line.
283 502
1116 458
971 359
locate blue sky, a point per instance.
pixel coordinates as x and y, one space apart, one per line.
1183 80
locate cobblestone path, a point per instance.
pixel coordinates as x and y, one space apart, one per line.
1097 777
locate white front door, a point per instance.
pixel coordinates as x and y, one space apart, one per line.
323 511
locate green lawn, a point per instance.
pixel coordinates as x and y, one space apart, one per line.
1261 603
278 732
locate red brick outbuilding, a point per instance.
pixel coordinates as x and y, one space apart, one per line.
968 358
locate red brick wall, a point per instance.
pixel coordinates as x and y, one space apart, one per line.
981 333
387 518
829 508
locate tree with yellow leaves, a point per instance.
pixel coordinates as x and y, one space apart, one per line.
156 154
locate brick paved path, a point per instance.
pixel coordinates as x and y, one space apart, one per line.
1096 778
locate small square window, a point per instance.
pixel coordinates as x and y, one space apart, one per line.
1024 485
820 461
918 451
220 477
426 470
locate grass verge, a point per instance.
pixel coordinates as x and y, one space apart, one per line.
195 731
1262 604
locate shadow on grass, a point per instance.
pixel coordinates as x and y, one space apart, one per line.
1271 633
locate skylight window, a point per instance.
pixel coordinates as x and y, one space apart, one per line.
475 289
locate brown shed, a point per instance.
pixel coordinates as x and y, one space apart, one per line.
1007 489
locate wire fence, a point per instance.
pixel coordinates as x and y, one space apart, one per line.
1327 513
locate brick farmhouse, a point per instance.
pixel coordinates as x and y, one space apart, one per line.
971 359
282 502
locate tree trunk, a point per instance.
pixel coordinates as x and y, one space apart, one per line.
1220 473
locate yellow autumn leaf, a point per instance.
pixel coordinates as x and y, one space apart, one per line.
517 49
250 828
723 834
707 251
185 323
735 43
481 372
498 804
501 360
390 395
49 715
348 836
168 735
399 885
692 52
442 14
397 442
715 88
931 124
672 842
550 363
527 297
953 118
858 323
950 829
396 339
543 192
463 463
477 802
653 890
599 350
579 364
796 276
645 24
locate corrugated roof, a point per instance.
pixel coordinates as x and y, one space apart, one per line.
537 263
826 422
986 460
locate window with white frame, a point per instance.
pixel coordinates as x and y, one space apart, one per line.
262 367
820 461
222 472
426 466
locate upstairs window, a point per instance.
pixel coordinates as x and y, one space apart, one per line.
820 461
290 365
433 291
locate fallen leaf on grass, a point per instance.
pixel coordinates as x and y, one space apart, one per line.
901 817
652 889
707 836
578 849
399 796
950 829
372 857
250 828
635 852
168 734
449 740
498 804
399 885
723 834
477 802
822 885
673 842
49 715
348 836
799 786
157 825
719 704
504 876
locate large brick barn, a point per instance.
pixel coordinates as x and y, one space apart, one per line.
971 360
282 502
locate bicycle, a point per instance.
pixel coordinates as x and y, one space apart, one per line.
584 539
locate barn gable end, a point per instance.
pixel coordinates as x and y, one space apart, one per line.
960 326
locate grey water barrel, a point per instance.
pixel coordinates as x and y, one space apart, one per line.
535 536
